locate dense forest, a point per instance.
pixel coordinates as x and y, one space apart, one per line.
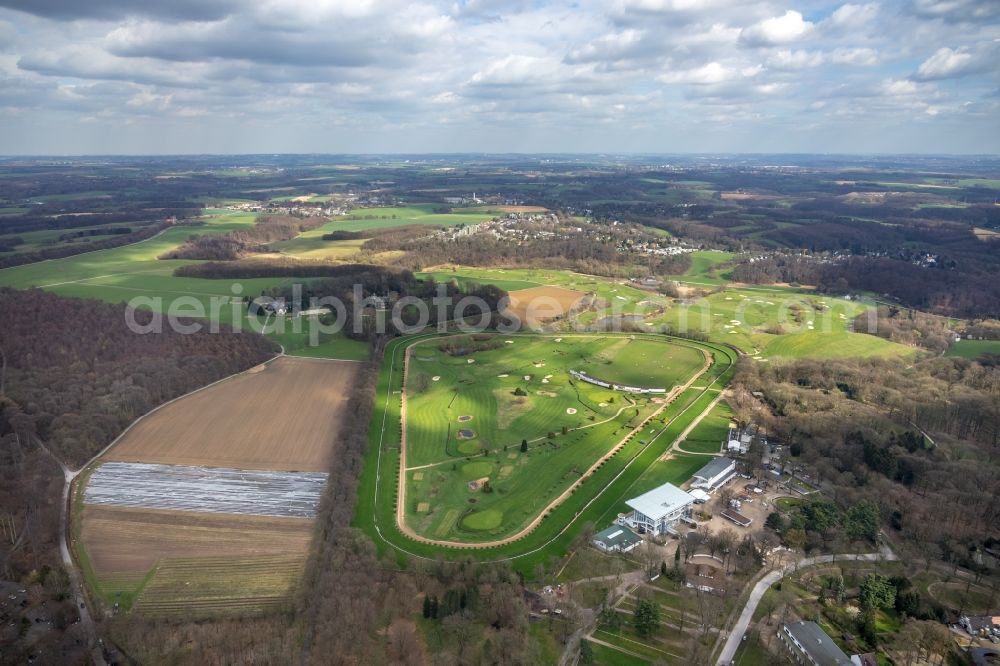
355 284
860 424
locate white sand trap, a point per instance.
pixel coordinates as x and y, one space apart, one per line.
436 378
508 342
558 339
726 326
548 376
503 376
571 410
729 298
770 303
648 323
602 404
539 365
734 322
527 378
471 360
545 381
621 298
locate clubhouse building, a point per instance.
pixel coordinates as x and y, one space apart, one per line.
657 511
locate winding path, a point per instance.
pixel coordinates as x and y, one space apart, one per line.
762 586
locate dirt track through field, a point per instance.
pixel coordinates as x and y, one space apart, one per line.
286 416
536 521
130 541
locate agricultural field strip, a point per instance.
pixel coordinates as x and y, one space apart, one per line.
206 489
401 490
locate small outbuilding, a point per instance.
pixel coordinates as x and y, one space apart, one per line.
617 539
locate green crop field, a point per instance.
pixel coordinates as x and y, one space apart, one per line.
122 274
704 269
362 219
467 414
310 244
974 348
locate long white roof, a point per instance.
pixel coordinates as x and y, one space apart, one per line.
660 502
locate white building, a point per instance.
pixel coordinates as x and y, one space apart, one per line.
658 510
714 474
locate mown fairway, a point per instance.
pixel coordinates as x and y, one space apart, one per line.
762 321
467 414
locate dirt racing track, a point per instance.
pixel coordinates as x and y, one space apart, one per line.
222 481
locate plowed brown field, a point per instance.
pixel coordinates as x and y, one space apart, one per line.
285 417
535 305
126 541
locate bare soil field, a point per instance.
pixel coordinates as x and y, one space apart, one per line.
285 417
537 304
123 541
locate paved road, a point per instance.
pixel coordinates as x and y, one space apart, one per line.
740 628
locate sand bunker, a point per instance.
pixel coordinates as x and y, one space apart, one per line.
465 433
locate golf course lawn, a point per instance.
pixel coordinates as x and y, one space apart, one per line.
469 411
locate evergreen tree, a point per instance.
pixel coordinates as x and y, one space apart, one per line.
524 446
647 618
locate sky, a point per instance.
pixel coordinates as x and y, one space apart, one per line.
384 76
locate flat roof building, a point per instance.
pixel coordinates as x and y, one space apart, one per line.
617 539
809 644
658 510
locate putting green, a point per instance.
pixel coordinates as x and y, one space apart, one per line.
483 520
467 447
477 470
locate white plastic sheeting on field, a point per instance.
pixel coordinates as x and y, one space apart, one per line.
209 489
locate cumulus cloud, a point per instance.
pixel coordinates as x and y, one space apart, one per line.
709 73
524 68
784 29
852 17
947 63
